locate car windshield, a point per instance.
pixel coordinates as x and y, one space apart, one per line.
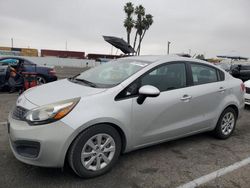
110 74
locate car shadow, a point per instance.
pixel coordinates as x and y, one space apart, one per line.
67 172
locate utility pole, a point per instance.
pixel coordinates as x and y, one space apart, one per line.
66 45
11 42
168 46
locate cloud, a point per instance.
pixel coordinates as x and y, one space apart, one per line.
207 26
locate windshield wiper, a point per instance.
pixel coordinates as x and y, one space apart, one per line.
73 77
86 82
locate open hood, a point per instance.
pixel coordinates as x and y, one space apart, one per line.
120 44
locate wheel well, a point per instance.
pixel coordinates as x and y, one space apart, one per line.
235 108
119 130
121 133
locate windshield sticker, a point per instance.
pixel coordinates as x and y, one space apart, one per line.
139 64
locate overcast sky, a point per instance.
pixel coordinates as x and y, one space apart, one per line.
210 27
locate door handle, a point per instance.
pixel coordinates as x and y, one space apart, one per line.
186 97
221 89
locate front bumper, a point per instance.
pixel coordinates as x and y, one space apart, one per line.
247 98
43 145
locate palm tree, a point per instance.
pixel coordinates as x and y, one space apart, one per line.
129 22
140 12
146 23
141 24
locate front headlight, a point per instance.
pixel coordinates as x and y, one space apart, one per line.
50 113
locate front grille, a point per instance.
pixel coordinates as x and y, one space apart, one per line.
247 100
19 112
248 90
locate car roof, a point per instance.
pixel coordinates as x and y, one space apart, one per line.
167 58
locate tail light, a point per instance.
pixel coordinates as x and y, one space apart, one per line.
52 71
242 87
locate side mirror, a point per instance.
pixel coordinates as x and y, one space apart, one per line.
147 91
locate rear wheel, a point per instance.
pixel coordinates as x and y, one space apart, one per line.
226 124
95 151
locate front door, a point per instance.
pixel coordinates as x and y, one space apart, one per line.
168 115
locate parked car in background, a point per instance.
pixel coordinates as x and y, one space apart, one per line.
120 106
224 66
44 74
247 94
241 71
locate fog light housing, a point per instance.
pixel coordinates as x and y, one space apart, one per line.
29 149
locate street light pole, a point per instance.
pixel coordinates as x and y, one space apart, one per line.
11 42
168 46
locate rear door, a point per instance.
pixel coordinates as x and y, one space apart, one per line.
28 66
5 70
208 90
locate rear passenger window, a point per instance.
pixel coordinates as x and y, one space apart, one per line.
222 75
203 74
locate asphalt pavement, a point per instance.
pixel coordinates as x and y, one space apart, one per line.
169 164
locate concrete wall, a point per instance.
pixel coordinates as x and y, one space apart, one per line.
62 62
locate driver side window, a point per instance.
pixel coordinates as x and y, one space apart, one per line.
166 77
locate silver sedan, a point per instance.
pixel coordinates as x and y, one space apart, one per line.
90 119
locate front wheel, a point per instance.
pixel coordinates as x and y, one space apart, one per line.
95 151
226 124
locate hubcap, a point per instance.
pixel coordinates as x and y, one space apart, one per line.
227 123
98 152
40 80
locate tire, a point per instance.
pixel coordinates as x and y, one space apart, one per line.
226 124
88 166
41 80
